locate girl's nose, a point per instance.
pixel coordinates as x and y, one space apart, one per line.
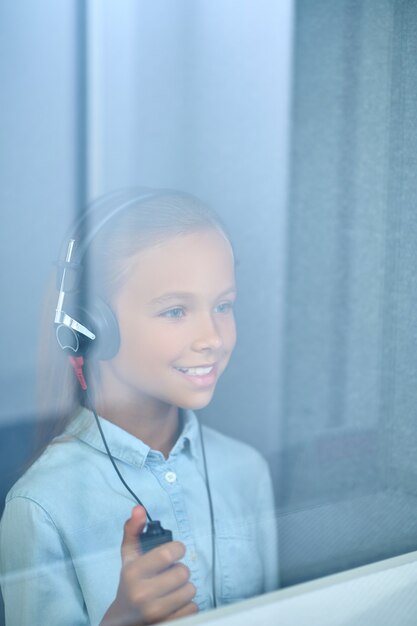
208 337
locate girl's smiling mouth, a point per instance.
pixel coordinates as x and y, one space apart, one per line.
202 375
199 370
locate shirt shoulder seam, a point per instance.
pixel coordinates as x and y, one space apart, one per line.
18 496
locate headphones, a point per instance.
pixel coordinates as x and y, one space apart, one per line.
88 327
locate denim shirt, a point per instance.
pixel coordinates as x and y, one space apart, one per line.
62 528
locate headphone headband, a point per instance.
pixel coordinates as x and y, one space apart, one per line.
72 254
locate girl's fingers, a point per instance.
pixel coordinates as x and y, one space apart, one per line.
188 609
163 584
152 586
174 578
132 529
161 558
162 608
156 560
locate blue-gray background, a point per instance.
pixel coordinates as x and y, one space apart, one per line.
297 122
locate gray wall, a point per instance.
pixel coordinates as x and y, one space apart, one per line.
349 431
38 172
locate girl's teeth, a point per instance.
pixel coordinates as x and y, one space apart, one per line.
196 371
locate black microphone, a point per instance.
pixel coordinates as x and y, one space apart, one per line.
153 536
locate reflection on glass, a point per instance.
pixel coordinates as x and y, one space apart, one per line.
196 100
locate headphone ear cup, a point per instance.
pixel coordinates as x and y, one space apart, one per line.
104 325
100 320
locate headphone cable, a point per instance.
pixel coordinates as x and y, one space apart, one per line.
109 454
213 527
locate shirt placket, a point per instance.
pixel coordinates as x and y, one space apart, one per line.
167 476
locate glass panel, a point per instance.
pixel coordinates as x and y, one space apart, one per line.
297 126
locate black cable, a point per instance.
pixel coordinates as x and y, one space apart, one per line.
91 407
213 527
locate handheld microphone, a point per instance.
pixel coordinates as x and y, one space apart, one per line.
154 535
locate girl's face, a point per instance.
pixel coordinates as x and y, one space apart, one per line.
176 320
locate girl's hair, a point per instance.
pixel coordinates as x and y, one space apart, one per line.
143 222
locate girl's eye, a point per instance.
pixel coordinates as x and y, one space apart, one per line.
175 313
224 307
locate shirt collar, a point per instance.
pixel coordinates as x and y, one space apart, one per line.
127 447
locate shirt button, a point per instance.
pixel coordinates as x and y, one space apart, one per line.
193 555
170 477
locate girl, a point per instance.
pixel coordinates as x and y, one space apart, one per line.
156 332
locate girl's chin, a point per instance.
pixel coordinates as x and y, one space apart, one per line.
197 403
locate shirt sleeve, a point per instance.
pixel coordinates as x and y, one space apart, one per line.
38 580
268 533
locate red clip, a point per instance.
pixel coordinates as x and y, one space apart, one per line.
77 363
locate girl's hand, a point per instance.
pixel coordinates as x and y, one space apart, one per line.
153 587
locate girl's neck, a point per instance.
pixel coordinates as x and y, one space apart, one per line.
158 427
